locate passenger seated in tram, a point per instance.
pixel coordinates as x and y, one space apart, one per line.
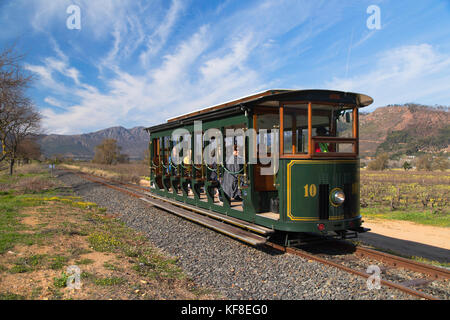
213 176
187 162
230 179
173 168
214 158
187 158
321 146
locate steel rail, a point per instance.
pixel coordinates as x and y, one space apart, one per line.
436 272
399 262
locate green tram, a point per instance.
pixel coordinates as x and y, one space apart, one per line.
315 188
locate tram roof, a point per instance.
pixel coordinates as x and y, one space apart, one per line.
270 98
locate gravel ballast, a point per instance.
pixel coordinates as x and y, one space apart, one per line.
230 268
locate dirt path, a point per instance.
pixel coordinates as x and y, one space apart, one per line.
408 239
405 230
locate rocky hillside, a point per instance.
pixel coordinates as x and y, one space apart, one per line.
133 142
405 129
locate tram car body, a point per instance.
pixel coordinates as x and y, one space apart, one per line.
316 187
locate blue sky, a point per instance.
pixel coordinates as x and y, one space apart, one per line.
140 62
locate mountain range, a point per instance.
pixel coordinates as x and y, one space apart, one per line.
133 142
402 129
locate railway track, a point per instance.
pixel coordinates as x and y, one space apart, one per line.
258 236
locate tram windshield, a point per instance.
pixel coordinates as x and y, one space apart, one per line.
331 127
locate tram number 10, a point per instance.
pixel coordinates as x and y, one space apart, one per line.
310 190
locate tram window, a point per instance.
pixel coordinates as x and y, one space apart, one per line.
268 122
198 148
344 123
337 122
234 136
295 129
186 145
332 121
166 148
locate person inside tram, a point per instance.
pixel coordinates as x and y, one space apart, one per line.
187 162
187 158
230 179
213 175
172 169
321 146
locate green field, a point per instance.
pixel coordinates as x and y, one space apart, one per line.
421 197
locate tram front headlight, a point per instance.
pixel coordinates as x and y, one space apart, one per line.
337 197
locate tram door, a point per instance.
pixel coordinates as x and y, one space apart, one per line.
235 173
266 124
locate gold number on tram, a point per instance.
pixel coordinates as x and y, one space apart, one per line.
310 190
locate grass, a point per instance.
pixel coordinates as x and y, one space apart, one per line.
111 266
11 296
432 262
61 281
28 264
10 226
109 281
420 217
103 242
43 232
58 262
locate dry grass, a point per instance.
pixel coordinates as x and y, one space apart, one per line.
130 172
34 185
33 168
28 179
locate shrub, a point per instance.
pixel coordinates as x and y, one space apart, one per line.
380 163
406 165
441 163
425 162
62 281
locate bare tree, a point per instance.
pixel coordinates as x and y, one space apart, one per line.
12 74
26 123
380 163
108 152
18 117
28 150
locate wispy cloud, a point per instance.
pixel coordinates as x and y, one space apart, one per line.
54 102
403 74
159 37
